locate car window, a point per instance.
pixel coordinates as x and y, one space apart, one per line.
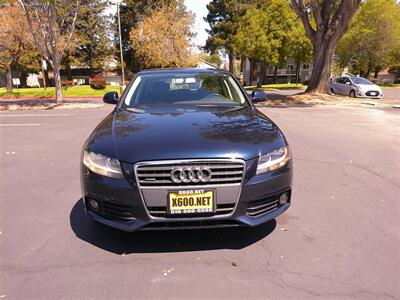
186 88
360 80
345 80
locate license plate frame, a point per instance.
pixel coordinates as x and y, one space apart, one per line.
187 193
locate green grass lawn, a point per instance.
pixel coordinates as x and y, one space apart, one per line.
278 86
395 85
78 90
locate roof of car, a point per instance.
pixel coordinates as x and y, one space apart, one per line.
183 70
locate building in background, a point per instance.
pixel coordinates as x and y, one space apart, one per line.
251 72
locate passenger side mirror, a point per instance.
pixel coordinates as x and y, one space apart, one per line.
111 98
348 82
258 96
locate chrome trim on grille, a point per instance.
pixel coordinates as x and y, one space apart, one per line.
191 186
262 209
158 174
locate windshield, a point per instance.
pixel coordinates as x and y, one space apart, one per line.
184 88
360 80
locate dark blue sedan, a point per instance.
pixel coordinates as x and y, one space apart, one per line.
185 148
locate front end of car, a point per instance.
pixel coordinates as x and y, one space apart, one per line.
368 91
186 193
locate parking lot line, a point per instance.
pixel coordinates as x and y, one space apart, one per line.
37 115
26 124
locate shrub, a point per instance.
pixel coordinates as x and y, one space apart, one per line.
97 83
65 84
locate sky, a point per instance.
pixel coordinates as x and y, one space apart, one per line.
198 7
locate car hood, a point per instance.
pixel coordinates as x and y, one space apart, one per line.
368 87
183 133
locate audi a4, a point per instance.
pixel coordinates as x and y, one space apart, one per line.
185 148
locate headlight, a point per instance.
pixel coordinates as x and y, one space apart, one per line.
273 160
102 165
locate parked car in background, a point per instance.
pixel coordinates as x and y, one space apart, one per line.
355 87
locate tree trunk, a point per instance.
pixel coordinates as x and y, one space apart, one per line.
57 81
9 87
69 73
321 73
275 80
262 75
230 57
22 78
297 72
252 71
376 72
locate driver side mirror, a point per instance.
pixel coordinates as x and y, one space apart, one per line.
348 82
111 98
258 96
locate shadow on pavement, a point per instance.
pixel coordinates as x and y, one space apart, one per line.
119 242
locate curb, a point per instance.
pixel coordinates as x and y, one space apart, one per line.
49 98
370 103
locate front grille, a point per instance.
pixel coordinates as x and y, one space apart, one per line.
161 211
159 174
263 206
191 224
376 93
115 211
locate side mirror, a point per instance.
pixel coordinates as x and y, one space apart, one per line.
258 96
111 98
348 82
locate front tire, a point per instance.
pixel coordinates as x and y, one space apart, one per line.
352 94
333 92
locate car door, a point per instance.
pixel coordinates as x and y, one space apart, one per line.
346 86
337 86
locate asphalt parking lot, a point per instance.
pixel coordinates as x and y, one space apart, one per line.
339 240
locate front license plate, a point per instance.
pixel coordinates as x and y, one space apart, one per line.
373 94
191 202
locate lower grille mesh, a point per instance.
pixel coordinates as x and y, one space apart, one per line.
115 211
161 211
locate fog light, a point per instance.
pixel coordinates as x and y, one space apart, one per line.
283 198
93 205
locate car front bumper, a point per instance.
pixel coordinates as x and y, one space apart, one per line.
121 203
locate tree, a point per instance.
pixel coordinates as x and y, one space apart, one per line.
256 39
325 22
212 58
52 25
373 37
132 14
92 31
15 40
163 38
270 32
300 47
223 20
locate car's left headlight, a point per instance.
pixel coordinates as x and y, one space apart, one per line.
273 160
102 165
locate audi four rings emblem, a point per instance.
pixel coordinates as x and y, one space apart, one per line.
190 174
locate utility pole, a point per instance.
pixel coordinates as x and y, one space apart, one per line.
120 46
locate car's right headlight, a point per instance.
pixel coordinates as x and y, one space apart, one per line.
273 160
102 165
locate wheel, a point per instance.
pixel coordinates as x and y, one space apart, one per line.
352 94
332 91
